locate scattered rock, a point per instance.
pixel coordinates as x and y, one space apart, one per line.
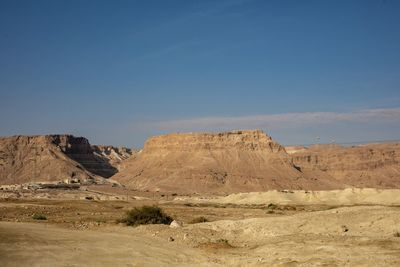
176 224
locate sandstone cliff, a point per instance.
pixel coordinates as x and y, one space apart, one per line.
372 165
228 162
50 158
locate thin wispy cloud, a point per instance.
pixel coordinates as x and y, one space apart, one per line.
278 121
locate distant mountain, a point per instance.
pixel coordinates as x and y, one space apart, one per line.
369 165
54 158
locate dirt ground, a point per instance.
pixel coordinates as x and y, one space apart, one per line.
81 232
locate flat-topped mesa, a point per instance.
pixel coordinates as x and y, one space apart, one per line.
237 161
244 140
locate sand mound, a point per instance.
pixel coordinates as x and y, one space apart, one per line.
239 161
350 196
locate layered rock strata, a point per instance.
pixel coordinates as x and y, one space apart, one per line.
237 161
371 165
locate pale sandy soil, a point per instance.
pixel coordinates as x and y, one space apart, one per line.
349 196
30 244
344 236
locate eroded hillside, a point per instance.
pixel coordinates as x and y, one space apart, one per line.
372 165
51 158
238 161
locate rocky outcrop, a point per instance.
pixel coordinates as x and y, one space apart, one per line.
50 158
295 149
372 165
113 155
237 161
80 150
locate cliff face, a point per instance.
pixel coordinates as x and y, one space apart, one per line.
228 162
372 165
80 150
50 158
241 140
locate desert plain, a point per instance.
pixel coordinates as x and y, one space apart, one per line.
237 198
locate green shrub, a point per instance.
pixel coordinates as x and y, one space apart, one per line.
39 217
200 219
146 215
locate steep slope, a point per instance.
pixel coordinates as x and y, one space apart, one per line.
372 165
237 161
49 158
113 155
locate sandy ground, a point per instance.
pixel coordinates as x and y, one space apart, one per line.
349 196
28 244
84 233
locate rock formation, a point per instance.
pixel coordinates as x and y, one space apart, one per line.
50 158
113 155
294 149
228 162
372 165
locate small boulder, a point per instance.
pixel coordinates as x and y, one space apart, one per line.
176 224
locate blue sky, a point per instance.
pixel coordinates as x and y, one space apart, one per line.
118 72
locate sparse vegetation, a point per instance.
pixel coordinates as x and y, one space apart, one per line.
217 244
222 240
40 217
146 215
396 234
272 206
200 219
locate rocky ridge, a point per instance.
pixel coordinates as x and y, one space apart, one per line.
370 165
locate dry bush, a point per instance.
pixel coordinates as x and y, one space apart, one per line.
40 217
200 219
146 215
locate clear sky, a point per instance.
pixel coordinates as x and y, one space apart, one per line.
118 72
